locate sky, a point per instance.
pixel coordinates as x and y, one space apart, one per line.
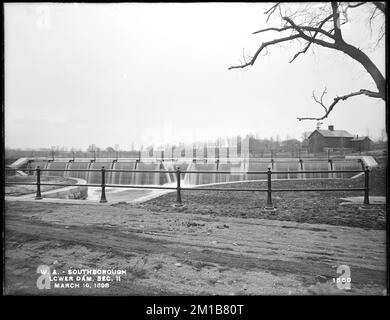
156 74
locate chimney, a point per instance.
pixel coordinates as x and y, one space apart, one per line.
330 128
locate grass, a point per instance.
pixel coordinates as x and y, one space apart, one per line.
19 190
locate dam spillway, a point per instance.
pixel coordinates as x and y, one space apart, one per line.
239 169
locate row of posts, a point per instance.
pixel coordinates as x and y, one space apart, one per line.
269 206
162 156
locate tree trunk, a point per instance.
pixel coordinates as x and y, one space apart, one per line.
370 67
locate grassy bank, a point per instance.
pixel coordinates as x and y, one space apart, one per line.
19 190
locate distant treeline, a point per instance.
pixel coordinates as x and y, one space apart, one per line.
20 153
259 148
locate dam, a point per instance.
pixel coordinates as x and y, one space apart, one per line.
211 171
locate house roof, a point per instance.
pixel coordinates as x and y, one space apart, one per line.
334 133
360 139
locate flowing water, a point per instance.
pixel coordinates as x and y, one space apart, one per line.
253 165
95 177
200 178
78 166
55 165
287 166
34 165
316 166
346 165
235 170
240 170
148 178
123 177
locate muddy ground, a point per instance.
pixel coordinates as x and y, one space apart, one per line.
176 253
306 207
218 243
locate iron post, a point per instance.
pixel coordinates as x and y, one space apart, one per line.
301 175
366 186
269 206
332 175
103 196
38 195
178 188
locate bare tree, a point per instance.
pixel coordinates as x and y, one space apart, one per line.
321 25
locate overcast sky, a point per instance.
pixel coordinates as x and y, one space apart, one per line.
107 74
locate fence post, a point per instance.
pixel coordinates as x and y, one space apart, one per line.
178 188
103 196
38 195
270 206
366 185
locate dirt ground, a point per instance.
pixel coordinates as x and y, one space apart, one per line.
172 253
304 207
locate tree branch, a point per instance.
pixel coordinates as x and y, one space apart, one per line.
264 45
337 99
271 10
319 29
305 28
321 102
309 38
300 34
336 23
311 30
356 4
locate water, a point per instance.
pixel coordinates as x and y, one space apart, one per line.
147 178
55 165
233 168
170 176
34 165
191 179
201 178
78 166
183 167
287 166
257 166
315 166
96 177
123 177
121 194
210 153
346 165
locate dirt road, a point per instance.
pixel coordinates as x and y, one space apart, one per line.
175 253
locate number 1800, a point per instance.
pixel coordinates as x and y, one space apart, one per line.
343 282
